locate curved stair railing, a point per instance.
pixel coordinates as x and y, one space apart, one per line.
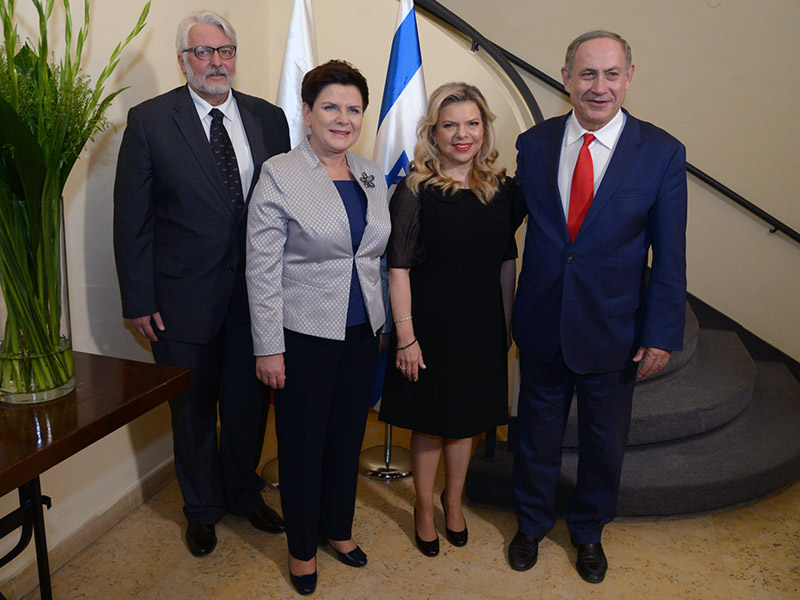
507 61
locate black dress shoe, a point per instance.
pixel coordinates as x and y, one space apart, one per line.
304 584
523 551
267 520
457 538
201 538
592 564
430 548
354 558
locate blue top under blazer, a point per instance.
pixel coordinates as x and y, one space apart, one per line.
300 253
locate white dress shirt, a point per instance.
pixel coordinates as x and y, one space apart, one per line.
235 128
601 149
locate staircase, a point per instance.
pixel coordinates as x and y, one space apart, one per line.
713 429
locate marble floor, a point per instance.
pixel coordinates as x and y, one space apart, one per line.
748 553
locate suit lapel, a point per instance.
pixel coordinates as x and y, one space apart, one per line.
359 168
326 198
189 124
621 162
550 159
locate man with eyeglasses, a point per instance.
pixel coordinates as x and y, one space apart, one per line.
188 162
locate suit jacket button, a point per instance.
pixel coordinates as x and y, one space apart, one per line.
231 269
570 259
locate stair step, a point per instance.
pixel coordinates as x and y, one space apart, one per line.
709 391
756 454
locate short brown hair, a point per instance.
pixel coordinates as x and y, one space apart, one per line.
333 71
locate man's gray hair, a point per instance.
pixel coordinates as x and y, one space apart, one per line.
593 35
205 17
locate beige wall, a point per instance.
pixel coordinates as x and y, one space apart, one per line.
717 78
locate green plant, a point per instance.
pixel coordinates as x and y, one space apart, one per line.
48 111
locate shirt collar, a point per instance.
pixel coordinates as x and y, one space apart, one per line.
203 107
606 135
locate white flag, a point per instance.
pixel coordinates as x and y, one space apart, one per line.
299 57
404 100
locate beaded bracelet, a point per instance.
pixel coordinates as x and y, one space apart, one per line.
403 319
407 345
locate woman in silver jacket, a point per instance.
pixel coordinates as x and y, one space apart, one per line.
318 225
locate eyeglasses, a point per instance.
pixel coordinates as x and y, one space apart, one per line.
226 52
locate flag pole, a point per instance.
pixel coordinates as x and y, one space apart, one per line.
404 103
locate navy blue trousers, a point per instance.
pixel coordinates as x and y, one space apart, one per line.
604 415
320 417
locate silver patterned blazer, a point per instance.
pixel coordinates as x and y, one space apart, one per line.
299 250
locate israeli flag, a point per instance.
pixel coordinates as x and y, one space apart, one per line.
404 99
404 104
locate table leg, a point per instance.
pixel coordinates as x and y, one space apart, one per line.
31 493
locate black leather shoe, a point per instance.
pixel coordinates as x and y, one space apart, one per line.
430 548
457 538
201 538
304 584
354 558
592 564
267 520
523 551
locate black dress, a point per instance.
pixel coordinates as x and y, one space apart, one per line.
454 246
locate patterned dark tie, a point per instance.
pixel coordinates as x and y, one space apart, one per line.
226 159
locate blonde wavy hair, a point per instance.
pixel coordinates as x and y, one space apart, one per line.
428 167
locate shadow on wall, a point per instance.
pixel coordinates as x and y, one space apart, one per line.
106 327
103 303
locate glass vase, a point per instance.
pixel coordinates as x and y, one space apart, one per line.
36 362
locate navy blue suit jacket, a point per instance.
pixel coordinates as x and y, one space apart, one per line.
589 297
178 240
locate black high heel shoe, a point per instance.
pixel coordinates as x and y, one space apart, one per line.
430 548
355 558
457 538
303 584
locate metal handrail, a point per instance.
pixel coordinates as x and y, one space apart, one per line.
453 20
506 59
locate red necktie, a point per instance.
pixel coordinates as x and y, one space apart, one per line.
582 191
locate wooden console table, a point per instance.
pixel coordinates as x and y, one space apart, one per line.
109 393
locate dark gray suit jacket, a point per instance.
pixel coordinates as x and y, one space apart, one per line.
178 240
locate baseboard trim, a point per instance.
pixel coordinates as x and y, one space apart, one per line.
26 579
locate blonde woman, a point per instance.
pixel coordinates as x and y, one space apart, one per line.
451 260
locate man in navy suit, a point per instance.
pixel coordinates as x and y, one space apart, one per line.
601 190
187 165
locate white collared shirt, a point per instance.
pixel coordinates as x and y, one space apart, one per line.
601 149
235 128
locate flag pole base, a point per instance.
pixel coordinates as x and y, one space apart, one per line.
373 463
385 462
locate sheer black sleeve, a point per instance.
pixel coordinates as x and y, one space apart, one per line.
405 247
510 196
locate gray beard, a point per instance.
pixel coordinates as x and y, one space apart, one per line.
199 82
